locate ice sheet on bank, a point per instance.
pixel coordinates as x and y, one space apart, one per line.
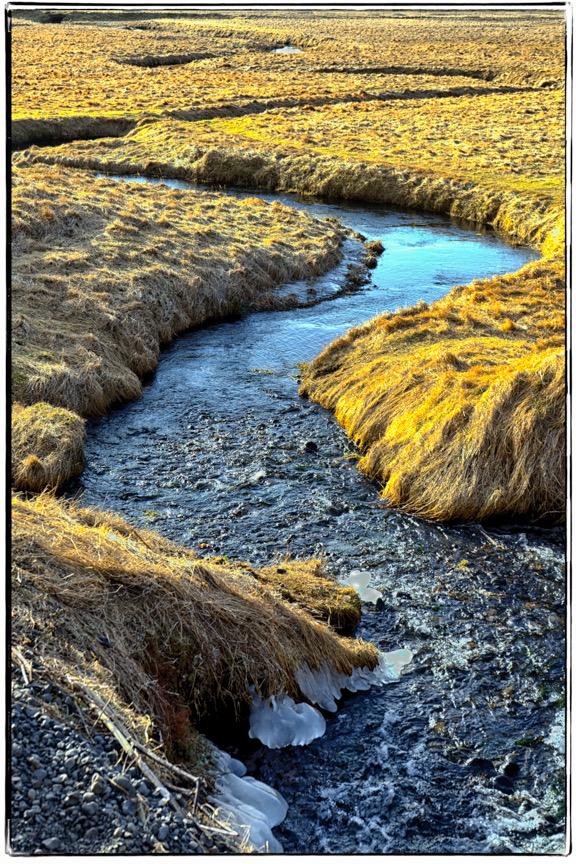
280 722
247 806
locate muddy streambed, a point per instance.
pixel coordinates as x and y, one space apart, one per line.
464 754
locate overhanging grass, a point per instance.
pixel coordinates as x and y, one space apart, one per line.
184 638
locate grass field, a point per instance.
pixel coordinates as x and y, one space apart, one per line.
458 406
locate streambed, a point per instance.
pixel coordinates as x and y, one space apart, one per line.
220 453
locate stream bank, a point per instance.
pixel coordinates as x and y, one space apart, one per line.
462 755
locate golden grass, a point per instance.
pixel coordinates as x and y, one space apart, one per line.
459 406
47 446
185 637
103 273
528 210
342 55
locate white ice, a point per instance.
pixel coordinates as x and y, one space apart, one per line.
246 805
280 722
360 581
253 793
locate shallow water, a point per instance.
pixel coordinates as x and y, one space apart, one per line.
287 49
221 451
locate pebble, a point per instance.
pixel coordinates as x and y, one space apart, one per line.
67 814
52 843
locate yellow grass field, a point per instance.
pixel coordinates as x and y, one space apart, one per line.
458 406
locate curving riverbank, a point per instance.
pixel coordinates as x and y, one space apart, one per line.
457 404
488 359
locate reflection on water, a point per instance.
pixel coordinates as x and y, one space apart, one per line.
287 49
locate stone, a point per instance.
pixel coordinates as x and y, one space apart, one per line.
163 832
129 807
480 766
504 784
124 783
97 785
52 843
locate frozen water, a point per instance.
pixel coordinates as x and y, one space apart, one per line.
248 822
247 805
370 595
227 764
360 581
280 722
255 794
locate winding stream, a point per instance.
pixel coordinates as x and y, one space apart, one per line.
463 755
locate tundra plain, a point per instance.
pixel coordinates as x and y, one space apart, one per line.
458 406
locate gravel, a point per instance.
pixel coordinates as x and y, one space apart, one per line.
73 795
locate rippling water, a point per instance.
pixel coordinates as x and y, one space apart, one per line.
463 755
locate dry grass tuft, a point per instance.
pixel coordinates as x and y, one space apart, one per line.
187 638
47 446
461 416
305 584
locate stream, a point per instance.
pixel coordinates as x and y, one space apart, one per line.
465 753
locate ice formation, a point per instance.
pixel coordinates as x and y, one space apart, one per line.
360 581
246 805
281 722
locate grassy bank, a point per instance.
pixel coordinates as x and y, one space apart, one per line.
227 58
150 625
104 273
458 406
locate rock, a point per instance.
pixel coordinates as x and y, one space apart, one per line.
129 807
480 766
90 809
52 843
163 832
124 783
510 768
504 784
97 785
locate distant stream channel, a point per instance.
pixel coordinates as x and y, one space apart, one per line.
465 753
